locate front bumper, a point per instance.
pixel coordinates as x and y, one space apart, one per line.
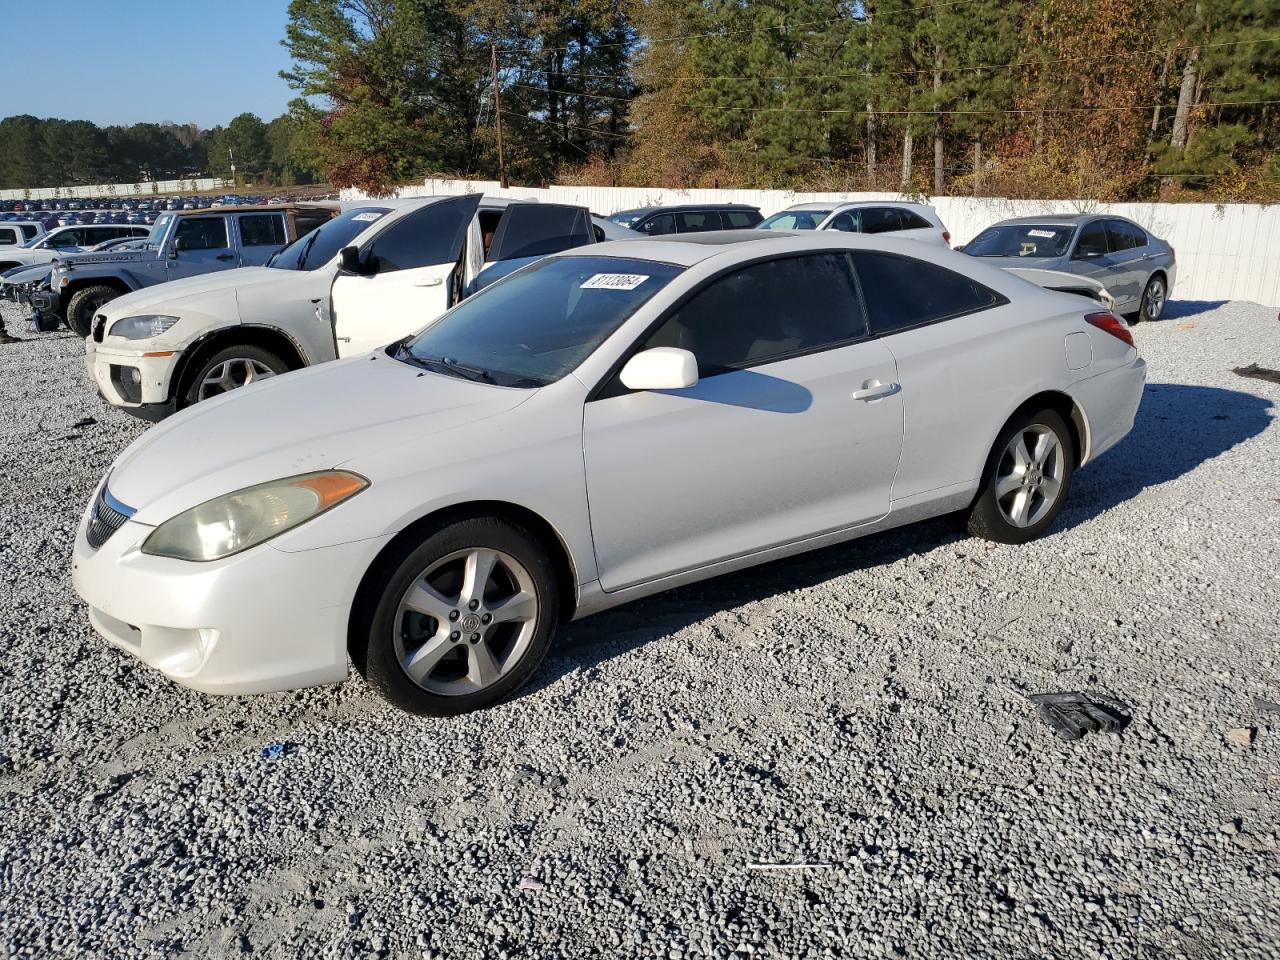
132 380
260 621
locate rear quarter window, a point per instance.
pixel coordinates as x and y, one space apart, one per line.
903 292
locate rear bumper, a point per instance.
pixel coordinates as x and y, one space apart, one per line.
1110 402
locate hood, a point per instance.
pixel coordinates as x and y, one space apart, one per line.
167 294
27 274
312 419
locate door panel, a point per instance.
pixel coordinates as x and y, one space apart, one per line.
742 461
1104 266
207 246
413 259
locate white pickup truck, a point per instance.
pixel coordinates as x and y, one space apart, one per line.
376 273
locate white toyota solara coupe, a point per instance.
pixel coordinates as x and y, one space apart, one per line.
601 425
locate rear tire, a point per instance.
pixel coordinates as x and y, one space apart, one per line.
229 369
84 304
1027 479
437 644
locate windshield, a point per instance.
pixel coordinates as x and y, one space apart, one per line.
1026 240
156 236
537 325
322 244
627 218
794 220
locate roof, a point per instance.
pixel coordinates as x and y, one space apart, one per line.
1062 219
851 204
677 207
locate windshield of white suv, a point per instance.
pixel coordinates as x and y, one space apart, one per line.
322 244
794 220
1026 240
538 324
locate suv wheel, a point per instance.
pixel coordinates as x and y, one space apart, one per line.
464 619
230 369
84 304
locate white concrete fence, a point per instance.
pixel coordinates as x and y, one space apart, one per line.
120 191
1225 252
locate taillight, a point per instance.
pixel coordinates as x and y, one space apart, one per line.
946 235
1111 324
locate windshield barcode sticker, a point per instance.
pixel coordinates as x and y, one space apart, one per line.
614 281
1046 234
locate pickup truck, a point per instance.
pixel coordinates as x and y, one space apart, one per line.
63 241
370 276
180 244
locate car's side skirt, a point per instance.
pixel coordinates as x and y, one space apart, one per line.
592 598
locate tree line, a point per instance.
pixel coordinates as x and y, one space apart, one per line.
1112 99
1116 99
53 153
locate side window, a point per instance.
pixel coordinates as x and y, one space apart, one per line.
8 236
902 292
738 219
846 221
880 220
28 230
202 233
697 221
913 221
661 224
1092 242
262 230
753 315
68 238
1125 236
424 238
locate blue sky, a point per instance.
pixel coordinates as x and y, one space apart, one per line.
130 61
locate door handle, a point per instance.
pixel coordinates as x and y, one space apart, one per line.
225 256
429 282
874 390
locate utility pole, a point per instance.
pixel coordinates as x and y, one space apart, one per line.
497 112
232 157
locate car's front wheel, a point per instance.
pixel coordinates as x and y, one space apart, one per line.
230 369
1027 478
84 304
463 620
1154 296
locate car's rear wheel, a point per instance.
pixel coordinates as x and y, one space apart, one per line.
84 304
229 369
464 620
1154 296
1027 479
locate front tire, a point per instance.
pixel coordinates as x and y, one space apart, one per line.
1027 479
229 369
466 617
84 304
1154 296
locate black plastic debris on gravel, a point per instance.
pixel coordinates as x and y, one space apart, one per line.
1072 715
1258 373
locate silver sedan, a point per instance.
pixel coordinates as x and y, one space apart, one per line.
1136 267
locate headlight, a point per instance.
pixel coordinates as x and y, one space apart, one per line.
237 521
142 327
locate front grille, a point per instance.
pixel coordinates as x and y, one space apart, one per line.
99 328
107 516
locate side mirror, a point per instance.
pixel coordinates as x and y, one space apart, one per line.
178 246
349 258
660 368
958 248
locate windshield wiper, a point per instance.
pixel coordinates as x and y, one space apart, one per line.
448 363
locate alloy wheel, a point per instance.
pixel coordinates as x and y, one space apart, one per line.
1155 298
1029 477
466 621
231 374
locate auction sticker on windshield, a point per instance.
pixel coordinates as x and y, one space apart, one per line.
1045 234
614 281
373 215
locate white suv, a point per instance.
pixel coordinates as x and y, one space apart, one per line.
914 221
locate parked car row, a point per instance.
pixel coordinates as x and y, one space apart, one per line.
612 419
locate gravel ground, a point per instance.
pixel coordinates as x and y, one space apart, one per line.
862 707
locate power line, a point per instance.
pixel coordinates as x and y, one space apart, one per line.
565 123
